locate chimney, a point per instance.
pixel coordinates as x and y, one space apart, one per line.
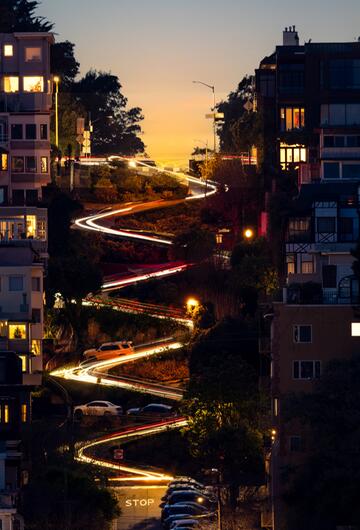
290 36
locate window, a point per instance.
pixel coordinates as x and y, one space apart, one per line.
35 346
30 164
16 131
302 334
344 74
331 170
351 171
23 363
355 329
17 164
6 414
291 78
36 284
267 84
17 331
33 54
296 444
30 226
292 154
11 84
34 84
329 141
299 229
329 276
24 413
4 162
307 264
292 118
16 283
326 225
306 370
8 50
340 114
36 316
346 229
43 131
41 230
30 131
44 164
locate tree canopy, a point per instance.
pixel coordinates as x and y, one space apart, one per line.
19 15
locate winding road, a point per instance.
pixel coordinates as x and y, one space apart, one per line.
96 372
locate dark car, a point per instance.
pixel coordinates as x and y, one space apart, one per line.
191 496
190 508
153 409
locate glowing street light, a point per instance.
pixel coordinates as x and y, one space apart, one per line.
132 163
56 79
192 304
248 233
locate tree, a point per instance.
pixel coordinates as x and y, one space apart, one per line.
115 128
223 401
19 15
234 131
63 63
324 493
194 246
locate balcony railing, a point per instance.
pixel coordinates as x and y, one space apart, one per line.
317 296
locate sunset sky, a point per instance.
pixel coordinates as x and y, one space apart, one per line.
157 47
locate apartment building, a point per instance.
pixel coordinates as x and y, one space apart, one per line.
25 105
310 99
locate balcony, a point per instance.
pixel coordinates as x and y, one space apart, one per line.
312 293
308 173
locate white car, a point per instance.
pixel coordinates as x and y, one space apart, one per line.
108 350
97 408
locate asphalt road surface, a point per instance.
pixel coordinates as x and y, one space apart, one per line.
139 507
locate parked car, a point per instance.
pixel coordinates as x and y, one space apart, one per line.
191 496
206 490
153 409
181 524
97 408
185 480
180 517
189 508
108 350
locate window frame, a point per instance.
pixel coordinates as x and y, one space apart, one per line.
13 277
315 364
296 328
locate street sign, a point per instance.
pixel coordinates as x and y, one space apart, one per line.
248 106
215 115
118 454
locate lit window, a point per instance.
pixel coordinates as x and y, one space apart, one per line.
33 54
355 329
292 154
17 331
8 50
3 328
307 264
30 225
6 414
36 346
4 162
41 230
23 362
34 84
292 118
44 164
24 413
291 263
302 334
306 370
16 283
11 84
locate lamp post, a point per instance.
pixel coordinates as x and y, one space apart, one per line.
57 81
212 88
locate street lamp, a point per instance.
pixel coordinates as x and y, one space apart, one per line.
56 79
212 88
248 233
192 304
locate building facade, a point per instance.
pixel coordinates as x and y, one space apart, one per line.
25 105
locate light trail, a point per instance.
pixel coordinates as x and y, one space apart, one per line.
94 372
126 436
